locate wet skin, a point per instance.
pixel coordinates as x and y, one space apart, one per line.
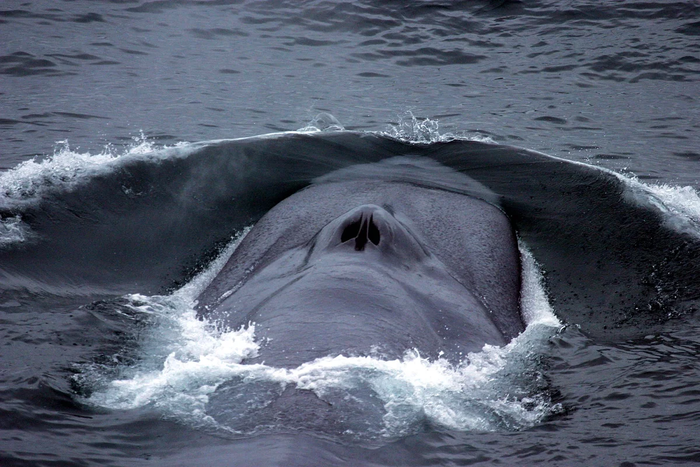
372 268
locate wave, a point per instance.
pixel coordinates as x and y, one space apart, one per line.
193 372
618 254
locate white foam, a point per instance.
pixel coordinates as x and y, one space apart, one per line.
411 389
678 206
534 303
32 180
13 230
184 360
415 130
322 122
190 291
68 168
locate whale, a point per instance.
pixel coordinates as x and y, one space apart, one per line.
618 262
613 254
369 263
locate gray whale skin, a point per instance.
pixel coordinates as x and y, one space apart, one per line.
365 266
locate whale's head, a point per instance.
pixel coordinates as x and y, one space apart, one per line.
382 268
369 234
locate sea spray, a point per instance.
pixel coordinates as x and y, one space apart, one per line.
194 372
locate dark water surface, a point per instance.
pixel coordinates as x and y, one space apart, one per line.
610 83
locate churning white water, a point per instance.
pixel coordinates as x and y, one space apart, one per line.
183 361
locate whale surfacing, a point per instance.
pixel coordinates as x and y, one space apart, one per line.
373 266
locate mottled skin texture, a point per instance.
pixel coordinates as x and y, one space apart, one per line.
372 267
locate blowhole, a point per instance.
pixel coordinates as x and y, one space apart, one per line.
351 231
373 231
362 231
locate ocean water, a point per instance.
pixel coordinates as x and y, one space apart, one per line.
102 360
